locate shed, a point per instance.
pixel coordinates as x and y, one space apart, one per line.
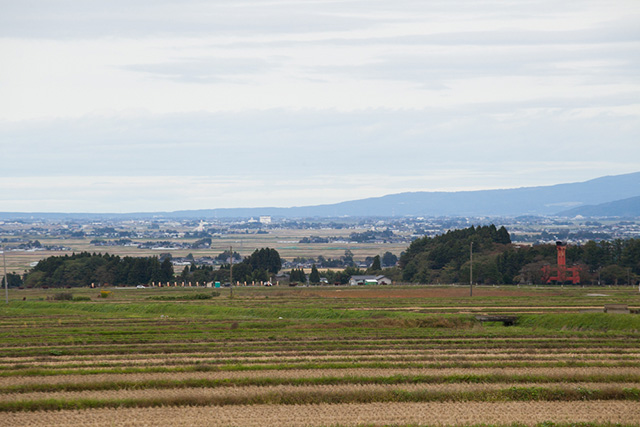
369 280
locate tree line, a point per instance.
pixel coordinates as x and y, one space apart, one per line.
440 259
340 277
84 268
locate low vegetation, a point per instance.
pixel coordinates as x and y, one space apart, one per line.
186 297
445 258
384 353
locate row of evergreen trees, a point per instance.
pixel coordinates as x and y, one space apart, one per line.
260 266
84 268
340 277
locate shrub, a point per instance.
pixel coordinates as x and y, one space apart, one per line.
61 296
200 296
105 294
203 296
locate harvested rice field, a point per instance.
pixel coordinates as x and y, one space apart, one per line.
400 356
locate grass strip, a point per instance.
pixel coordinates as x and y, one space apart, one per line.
332 397
581 321
281 343
314 365
260 360
329 380
249 360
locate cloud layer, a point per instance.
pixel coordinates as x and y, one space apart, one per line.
285 103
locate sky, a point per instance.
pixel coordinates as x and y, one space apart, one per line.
143 106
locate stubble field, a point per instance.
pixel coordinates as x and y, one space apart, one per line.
321 357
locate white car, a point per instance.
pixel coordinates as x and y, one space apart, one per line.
140 286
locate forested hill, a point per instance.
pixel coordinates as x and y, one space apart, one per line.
446 259
441 258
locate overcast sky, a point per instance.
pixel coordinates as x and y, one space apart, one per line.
152 105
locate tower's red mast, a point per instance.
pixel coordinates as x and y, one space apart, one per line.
561 269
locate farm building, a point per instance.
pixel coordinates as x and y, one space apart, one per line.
369 280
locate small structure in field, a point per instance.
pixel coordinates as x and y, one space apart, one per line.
369 280
616 308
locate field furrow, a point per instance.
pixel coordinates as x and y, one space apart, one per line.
388 356
560 374
358 392
298 360
625 413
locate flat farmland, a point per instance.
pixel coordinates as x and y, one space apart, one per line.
321 356
285 241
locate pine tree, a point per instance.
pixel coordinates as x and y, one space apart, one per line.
314 277
166 270
375 266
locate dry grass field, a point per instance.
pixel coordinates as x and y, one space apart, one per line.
404 356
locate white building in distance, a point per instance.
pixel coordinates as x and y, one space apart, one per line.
265 219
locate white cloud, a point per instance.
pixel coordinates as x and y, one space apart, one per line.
289 55
257 92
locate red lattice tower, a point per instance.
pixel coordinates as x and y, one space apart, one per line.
562 272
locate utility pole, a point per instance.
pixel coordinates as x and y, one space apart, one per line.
471 270
231 270
6 280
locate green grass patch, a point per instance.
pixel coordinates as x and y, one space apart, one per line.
326 380
582 321
229 367
306 397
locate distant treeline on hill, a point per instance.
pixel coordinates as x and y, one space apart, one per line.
446 259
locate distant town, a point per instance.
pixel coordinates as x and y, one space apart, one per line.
327 243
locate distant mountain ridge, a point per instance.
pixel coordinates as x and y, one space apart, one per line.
620 208
543 200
